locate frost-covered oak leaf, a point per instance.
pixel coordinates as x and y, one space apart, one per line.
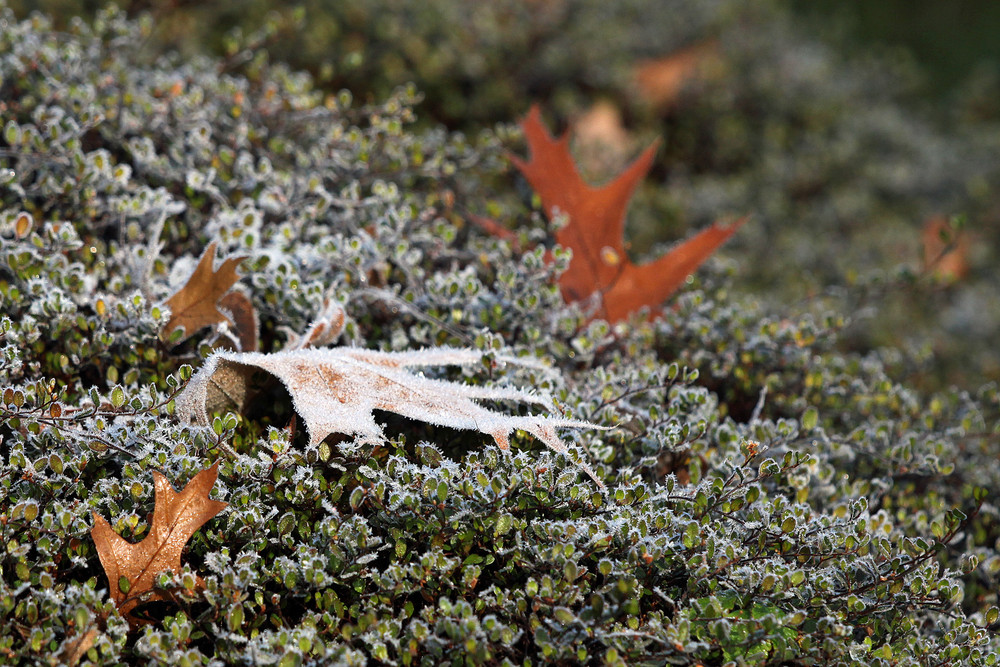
132 568
335 391
196 305
596 227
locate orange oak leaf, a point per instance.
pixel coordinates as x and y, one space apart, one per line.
595 231
196 304
132 568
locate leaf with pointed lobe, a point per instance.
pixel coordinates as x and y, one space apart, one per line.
131 568
196 305
596 228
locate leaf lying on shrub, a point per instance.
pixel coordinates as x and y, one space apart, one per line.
659 81
595 231
336 390
132 568
196 304
246 327
946 249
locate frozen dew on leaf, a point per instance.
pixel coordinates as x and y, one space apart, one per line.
337 390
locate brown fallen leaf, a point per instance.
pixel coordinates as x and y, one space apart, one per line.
602 142
246 328
659 81
946 249
74 648
132 568
335 390
195 305
325 329
595 231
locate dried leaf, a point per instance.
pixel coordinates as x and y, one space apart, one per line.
324 329
132 568
602 142
946 250
659 81
239 309
336 390
74 648
196 304
596 227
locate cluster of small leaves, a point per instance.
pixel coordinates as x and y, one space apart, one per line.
768 499
476 64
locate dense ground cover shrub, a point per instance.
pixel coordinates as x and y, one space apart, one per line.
835 156
770 500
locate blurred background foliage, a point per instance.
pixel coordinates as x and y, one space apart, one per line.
860 137
955 43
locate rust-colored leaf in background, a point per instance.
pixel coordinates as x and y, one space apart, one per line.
132 568
595 231
196 304
602 142
660 81
946 249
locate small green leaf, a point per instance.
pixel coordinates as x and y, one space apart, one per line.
357 496
11 133
691 535
991 615
810 418
504 524
564 615
884 651
235 617
937 528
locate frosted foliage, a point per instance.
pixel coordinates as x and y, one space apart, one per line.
336 390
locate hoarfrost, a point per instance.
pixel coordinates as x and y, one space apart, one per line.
336 391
